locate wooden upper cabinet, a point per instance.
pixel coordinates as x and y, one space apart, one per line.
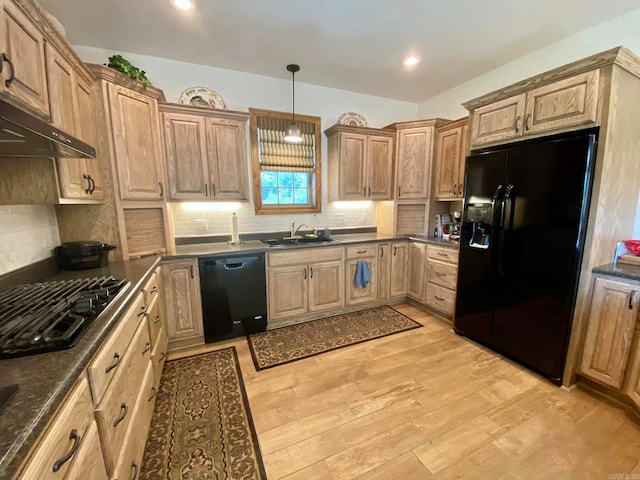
566 103
206 153
450 160
555 106
23 44
227 151
134 120
413 163
498 121
360 163
72 112
612 320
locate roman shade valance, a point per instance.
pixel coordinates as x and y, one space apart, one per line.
276 154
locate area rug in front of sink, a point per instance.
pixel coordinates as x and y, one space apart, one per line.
202 426
295 342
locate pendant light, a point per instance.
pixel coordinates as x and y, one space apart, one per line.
293 135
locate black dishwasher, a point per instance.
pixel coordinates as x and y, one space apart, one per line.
234 295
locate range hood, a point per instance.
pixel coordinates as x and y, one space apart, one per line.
25 135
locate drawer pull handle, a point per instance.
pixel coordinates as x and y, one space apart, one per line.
124 409
154 392
147 347
161 356
157 319
381 252
116 362
631 297
441 274
442 254
439 298
154 290
518 120
76 443
526 122
143 311
311 270
361 251
12 75
161 189
134 467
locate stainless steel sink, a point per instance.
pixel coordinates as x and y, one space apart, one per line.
278 242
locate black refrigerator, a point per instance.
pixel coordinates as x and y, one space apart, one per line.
522 235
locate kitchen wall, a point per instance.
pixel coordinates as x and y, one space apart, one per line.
619 31
28 233
243 90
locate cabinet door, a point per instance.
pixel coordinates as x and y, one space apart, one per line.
326 288
498 121
23 44
612 319
183 310
353 168
88 463
398 280
414 162
356 295
633 383
134 119
227 159
566 103
447 160
462 160
384 271
186 156
72 175
288 291
417 260
380 159
86 130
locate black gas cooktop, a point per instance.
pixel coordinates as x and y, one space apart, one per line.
43 317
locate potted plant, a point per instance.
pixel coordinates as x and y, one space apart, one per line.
117 62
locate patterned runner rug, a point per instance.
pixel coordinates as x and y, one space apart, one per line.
288 344
202 427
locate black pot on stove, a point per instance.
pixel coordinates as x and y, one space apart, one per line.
82 255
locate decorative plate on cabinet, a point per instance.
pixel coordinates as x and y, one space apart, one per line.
202 97
353 119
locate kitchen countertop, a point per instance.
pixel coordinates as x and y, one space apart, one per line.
43 389
620 270
46 378
253 246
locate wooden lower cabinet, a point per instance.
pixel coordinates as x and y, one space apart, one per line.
384 271
288 291
417 261
183 307
355 294
399 269
325 280
442 279
612 320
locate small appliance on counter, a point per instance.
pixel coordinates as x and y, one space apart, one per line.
82 255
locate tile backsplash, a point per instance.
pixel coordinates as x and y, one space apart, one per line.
28 233
191 219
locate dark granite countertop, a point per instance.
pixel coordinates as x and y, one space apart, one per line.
253 246
620 270
45 379
441 242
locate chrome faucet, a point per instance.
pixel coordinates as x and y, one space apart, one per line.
294 230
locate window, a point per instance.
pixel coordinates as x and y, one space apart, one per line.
286 177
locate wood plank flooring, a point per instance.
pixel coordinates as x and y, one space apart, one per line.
429 404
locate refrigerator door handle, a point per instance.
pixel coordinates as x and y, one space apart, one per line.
502 227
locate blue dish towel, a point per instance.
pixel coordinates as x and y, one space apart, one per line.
363 276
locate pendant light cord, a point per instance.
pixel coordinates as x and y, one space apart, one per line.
293 83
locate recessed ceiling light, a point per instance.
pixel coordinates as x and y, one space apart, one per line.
182 4
411 61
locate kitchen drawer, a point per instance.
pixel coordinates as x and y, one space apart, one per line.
304 256
128 465
88 463
152 287
154 320
443 274
362 251
440 298
65 435
158 356
449 255
107 361
115 412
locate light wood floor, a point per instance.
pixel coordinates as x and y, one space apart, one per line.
429 404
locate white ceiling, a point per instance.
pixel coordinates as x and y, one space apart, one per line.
354 45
